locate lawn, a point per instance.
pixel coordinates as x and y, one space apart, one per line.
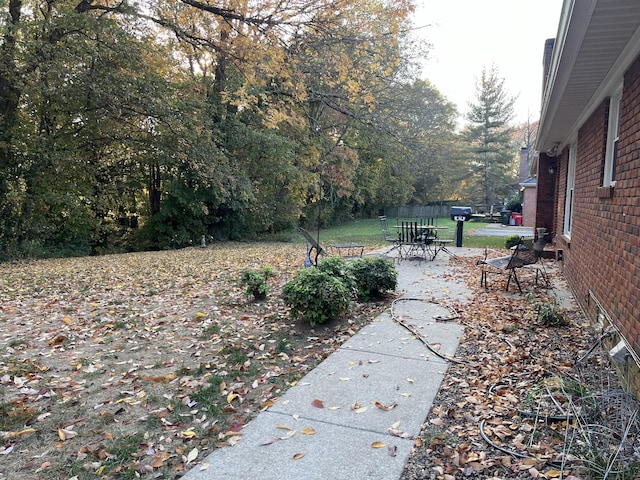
140 364
369 232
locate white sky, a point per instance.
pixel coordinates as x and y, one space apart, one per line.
467 35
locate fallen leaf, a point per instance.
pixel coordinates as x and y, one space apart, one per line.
298 456
386 408
66 434
10 435
193 454
231 397
317 403
378 445
6 450
288 435
308 431
270 441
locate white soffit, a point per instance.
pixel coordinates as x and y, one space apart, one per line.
597 41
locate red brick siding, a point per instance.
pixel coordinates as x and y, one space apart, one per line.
603 255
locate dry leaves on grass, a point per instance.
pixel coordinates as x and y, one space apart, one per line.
143 363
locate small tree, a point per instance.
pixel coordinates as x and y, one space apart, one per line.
489 138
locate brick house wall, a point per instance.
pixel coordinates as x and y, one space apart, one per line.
601 259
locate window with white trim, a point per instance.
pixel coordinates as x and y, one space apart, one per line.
568 201
613 136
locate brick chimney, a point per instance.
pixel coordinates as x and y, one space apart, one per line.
523 171
546 61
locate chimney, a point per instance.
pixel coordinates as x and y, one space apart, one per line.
524 165
546 61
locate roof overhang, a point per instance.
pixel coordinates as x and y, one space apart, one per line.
597 40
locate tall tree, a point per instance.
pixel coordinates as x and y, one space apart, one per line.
489 140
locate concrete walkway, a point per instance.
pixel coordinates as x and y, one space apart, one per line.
499 230
355 416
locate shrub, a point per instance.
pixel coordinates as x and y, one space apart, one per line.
316 296
548 311
512 241
337 267
550 314
256 282
373 276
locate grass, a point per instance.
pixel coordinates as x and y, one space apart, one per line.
368 232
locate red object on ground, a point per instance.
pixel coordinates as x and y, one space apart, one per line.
517 218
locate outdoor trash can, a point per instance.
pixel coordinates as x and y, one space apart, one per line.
517 219
506 216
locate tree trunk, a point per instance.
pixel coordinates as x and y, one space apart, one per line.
9 91
154 188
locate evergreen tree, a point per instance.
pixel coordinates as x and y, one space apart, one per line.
489 138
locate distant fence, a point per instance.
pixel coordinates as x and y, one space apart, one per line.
418 211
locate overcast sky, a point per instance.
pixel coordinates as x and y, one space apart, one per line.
467 35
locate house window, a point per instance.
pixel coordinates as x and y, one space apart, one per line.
612 142
571 179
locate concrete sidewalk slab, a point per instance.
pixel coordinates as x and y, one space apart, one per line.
333 452
375 390
499 230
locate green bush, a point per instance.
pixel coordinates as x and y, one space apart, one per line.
340 269
256 282
512 241
316 296
550 314
373 276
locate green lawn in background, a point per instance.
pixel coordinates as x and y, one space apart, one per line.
369 232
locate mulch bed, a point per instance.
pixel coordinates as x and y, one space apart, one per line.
528 399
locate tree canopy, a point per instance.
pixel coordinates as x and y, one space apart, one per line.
143 125
490 141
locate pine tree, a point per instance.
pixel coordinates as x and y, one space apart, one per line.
489 138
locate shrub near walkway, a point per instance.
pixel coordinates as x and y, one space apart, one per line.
140 364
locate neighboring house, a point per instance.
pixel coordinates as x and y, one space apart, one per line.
528 194
588 172
527 186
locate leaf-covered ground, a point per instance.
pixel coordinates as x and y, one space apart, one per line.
140 364
528 398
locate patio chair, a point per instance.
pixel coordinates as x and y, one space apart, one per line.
523 255
386 234
314 245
